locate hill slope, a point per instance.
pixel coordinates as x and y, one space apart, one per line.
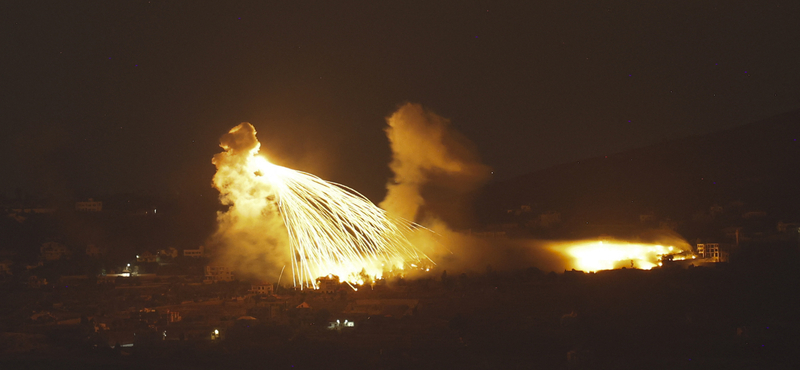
748 168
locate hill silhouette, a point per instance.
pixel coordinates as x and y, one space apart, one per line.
755 167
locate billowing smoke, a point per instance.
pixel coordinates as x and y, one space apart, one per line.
251 234
429 157
436 169
277 216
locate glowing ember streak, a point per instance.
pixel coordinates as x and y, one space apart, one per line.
332 229
608 255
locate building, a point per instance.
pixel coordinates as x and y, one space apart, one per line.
37 210
790 228
216 273
22 214
146 257
194 253
328 284
271 307
713 252
52 251
168 253
35 282
89 206
261 288
172 316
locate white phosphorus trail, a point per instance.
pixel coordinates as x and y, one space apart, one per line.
332 229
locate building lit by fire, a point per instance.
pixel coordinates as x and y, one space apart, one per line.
713 252
328 284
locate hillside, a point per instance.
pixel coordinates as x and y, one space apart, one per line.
755 167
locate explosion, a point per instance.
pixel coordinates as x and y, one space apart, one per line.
279 217
598 255
331 229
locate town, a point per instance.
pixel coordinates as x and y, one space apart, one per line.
85 302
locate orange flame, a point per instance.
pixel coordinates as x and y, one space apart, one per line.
596 255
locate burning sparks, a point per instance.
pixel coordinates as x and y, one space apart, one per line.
608 255
331 228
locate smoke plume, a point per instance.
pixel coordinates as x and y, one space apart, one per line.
428 156
251 234
435 171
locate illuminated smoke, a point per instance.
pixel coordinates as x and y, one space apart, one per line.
251 235
428 154
435 170
331 229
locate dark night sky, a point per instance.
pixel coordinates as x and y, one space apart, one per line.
116 96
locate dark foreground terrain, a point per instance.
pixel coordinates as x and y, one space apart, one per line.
737 315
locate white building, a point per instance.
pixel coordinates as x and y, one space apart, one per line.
146 257
194 253
89 206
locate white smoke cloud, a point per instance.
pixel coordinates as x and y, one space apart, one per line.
251 235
